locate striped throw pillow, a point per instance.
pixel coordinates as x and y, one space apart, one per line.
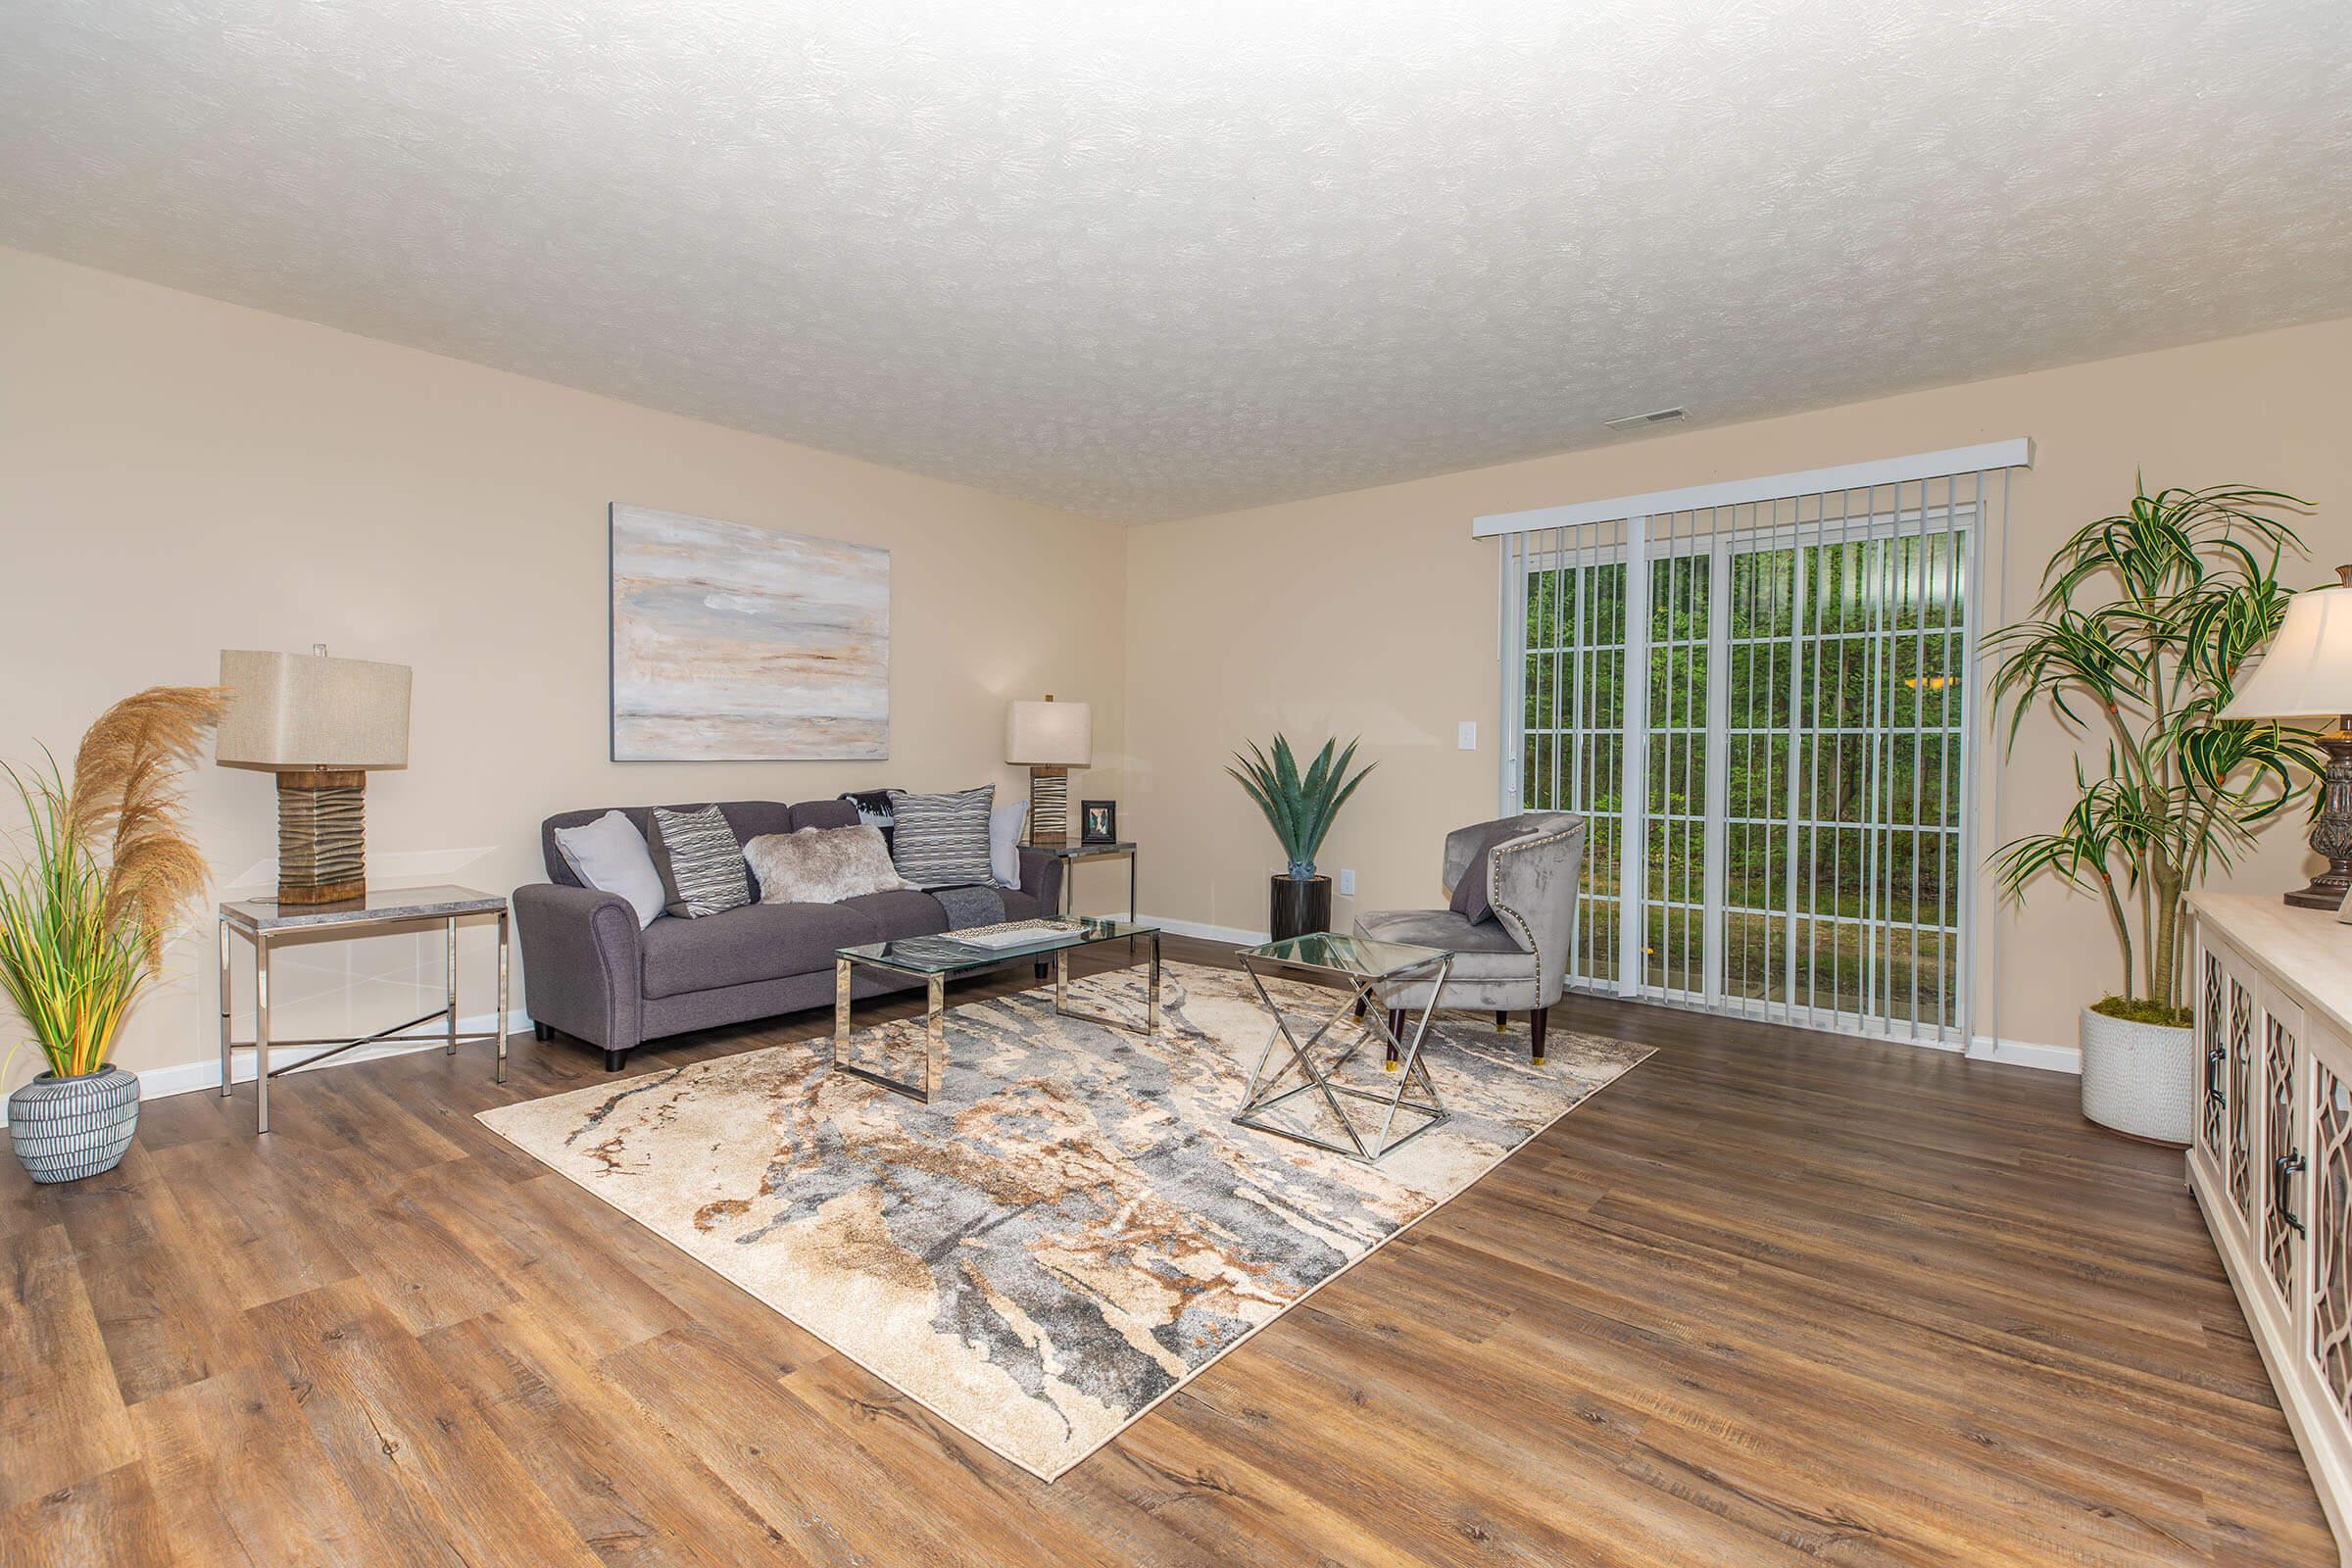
701 864
941 841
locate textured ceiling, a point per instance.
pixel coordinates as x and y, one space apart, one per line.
1148 260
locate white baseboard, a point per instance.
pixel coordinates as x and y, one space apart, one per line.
186 1077
1209 933
2028 1053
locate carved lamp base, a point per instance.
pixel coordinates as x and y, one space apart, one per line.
322 835
2332 831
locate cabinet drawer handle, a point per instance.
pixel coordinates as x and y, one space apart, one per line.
2213 1073
2282 1170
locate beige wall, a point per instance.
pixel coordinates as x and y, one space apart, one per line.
178 475
1375 612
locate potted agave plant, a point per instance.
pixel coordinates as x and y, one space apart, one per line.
105 868
2144 623
1301 807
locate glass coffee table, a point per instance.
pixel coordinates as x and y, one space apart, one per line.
1361 966
937 960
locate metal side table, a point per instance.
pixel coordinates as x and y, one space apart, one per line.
263 921
1075 852
1361 966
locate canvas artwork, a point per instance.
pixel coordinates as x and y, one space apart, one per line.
739 644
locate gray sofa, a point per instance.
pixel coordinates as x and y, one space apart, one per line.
593 974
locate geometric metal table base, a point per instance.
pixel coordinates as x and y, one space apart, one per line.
1415 1096
263 929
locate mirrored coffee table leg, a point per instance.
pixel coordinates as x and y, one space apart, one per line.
935 1037
1061 992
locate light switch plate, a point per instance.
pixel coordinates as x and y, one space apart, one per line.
1348 884
1466 737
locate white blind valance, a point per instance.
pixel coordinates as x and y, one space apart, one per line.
1985 457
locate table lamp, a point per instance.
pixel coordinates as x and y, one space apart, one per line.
1050 739
2307 671
318 723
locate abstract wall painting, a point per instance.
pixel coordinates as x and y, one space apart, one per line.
739 644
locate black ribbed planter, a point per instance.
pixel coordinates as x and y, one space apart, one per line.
1300 905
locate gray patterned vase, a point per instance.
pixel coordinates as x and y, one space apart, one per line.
68 1128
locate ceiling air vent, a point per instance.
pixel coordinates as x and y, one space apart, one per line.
1634 422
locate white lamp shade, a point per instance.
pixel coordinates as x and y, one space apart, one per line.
2307 669
1049 734
307 711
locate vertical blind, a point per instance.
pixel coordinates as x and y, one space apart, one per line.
1760 694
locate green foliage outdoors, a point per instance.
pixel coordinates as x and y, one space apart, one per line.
1844 703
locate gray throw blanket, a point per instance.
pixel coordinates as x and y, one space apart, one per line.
971 905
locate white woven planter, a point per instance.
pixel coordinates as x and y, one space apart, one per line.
2140 1078
63 1129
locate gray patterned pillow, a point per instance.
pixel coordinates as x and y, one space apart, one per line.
822 864
701 863
941 841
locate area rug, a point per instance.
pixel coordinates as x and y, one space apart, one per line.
1073 1229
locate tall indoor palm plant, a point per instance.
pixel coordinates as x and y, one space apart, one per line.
104 867
2144 623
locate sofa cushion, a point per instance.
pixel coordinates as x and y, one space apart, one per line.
1020 905
821 813
758 942
903 913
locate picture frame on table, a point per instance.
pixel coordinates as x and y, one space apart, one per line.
1098 821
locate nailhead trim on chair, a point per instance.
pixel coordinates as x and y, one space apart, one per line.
1495 865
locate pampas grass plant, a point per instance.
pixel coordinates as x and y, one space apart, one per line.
108 867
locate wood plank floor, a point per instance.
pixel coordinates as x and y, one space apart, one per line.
1771 1298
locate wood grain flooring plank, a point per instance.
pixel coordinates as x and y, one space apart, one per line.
62 1418
244 1481
1771 1298
108 1520
413 1450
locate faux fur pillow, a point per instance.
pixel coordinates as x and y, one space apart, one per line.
822 864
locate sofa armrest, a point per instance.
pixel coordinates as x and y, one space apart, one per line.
1041 878
580 962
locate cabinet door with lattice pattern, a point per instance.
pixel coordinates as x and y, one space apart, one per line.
2281 1230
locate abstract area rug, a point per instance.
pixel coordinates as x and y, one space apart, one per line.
1073 1229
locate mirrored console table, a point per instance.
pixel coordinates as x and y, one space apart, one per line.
264 922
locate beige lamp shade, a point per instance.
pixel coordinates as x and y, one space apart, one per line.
307 711
1049 734
2307 669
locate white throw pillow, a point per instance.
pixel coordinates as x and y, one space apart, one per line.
610 856
1005 825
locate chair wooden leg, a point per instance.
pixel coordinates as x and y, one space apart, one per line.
1395 1032
540 1032
1359 1006
1503 1019
1534 1034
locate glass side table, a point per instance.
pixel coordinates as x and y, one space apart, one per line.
1361 966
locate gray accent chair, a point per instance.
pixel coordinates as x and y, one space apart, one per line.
594 975
1517 962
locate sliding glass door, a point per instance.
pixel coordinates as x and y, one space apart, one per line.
1763 711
